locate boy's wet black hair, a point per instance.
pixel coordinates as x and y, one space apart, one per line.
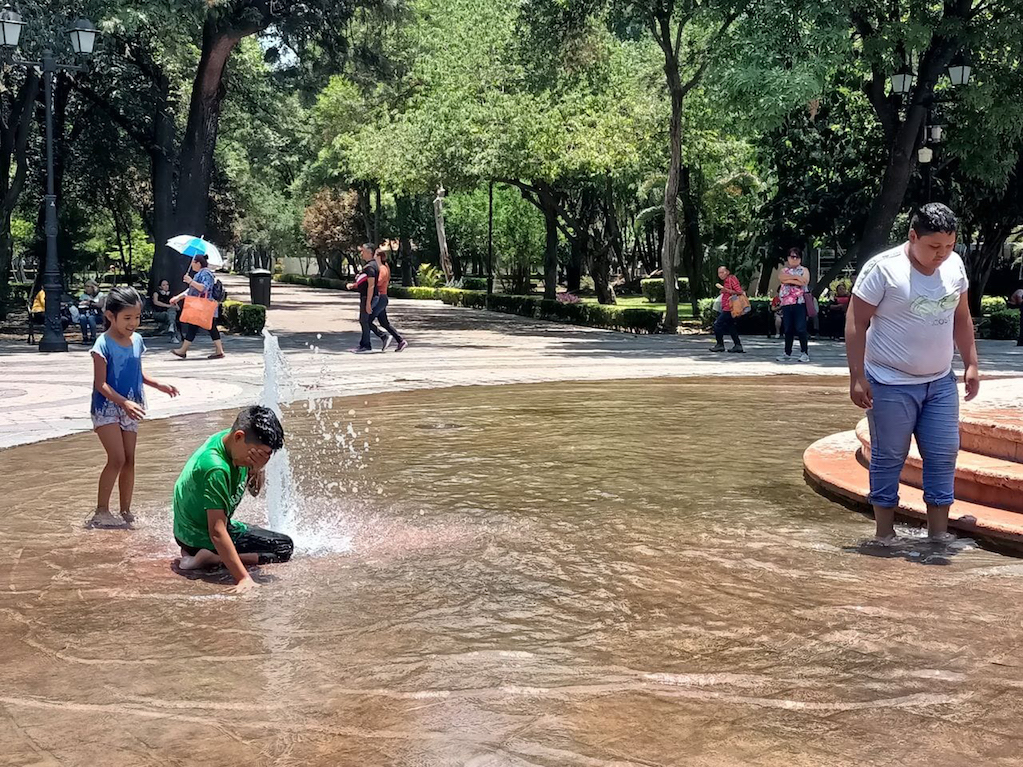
261 426
119 299
933 218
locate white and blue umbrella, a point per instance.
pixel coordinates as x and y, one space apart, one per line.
190 246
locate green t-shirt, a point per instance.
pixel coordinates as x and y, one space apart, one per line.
208 481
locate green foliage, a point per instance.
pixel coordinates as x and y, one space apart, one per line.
653 290
474 283
1001 325
429 276
992 304
240 317
418 293
593 315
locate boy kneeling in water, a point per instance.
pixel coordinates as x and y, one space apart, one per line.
209 490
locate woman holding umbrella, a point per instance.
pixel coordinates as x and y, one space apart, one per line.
199 285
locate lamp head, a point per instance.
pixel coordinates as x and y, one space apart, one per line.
83 37
11 25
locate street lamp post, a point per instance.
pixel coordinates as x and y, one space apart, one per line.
83 40
931 134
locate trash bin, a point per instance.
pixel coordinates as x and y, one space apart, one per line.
259 286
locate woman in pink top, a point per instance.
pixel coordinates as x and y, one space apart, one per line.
794 279
725 323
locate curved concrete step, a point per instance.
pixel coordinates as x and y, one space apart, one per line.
982 479
996 432
832 466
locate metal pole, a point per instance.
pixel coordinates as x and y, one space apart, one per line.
490 244
53 334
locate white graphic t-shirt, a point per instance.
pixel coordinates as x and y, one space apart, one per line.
910 339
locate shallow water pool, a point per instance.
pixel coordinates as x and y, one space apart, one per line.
568 574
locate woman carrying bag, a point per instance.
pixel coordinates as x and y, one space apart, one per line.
199 309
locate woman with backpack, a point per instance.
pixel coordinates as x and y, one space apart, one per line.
203 284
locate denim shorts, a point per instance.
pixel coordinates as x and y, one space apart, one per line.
121 418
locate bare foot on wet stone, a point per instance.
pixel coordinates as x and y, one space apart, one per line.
102 519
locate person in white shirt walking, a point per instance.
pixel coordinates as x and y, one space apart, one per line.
909 311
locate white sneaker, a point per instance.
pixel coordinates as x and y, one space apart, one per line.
804 357
784 358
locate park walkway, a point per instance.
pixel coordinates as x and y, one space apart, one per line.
45 396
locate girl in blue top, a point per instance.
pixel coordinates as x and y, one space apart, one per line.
118 402
199 285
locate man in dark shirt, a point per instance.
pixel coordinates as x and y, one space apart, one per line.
366 284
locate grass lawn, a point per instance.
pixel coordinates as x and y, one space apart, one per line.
638 302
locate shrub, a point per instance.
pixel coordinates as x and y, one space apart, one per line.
251 319
594 315
653 290
229 313
239 317
992 304
1001 325
472 299
568 298
422 294
474 283
429 276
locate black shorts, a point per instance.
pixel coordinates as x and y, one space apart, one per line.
271 547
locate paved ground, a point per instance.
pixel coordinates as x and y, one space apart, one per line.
44 396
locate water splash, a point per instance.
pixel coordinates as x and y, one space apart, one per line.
287 511
280 483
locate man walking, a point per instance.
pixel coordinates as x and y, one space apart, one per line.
725 323
366 283
909 310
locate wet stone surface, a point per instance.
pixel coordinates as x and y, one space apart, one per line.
560 574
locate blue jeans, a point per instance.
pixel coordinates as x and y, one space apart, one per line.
793 317
725 323
87 321
931 412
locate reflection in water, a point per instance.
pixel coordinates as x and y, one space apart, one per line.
570 574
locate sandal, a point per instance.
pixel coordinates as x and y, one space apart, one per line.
215 356
179 355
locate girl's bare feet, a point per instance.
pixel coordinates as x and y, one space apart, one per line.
128 517
102 519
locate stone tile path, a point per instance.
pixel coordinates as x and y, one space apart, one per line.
45 396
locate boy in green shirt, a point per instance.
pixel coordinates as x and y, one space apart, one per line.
209 490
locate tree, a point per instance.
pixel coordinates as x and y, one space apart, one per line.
333 227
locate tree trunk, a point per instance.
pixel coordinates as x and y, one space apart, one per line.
550 256
693 239
670 239
574 269
13 147
404 205
200 139
376 214
442 239
980 262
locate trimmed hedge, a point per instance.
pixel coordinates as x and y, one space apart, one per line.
239 317
419 294
631 320
474 283
313 282
653 290
1001 325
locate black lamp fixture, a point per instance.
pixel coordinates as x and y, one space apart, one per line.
959 70
83 41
